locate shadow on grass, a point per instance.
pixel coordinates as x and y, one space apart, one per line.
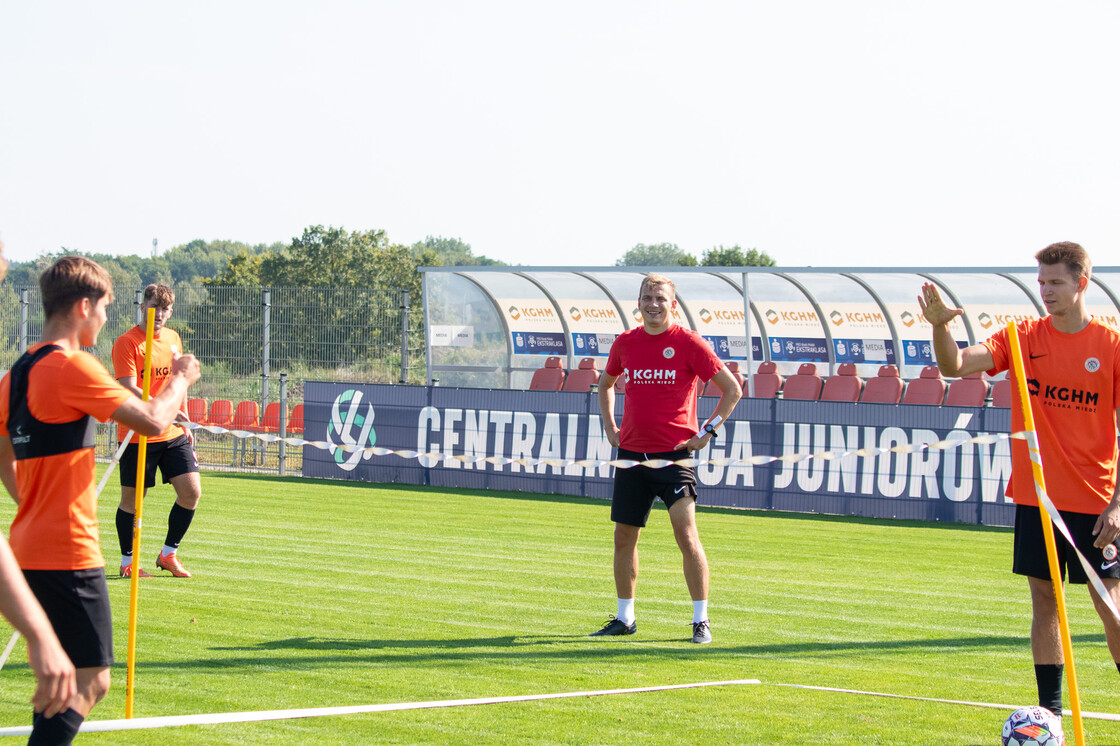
317 650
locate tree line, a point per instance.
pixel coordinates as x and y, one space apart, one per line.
326 256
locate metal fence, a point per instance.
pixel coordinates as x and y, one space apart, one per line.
248 339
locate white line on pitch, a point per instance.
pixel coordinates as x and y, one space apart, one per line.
247 717
993 705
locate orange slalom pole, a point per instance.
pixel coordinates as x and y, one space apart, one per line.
141 464
1047 528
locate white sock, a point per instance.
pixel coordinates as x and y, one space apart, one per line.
626 611
699 611
126 560
167 551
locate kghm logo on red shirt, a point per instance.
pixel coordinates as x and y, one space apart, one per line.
649 375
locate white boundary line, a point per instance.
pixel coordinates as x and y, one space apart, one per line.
101 726
248 717
991 705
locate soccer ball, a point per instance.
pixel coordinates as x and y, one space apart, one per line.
1033 726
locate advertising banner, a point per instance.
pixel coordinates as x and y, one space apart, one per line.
534 327
472 438
594 324
722 324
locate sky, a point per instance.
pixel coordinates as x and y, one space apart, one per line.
862 133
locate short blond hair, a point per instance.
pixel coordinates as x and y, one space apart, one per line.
651 280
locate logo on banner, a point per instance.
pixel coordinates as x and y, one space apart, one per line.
705 315
907 319
985 320
514 313
772 316
575 314
836 317
350 426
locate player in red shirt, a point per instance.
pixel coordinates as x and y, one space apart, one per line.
49 402
1072 365
661 362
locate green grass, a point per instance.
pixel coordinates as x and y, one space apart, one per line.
313 594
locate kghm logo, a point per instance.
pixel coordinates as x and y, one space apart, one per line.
575 314
514 313
836 317
907 319
705 315
350 426
985 320
772 316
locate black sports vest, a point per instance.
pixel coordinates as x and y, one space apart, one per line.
32 438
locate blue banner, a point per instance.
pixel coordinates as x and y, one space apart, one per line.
964 484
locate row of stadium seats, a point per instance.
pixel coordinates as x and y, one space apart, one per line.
885 388
807 385
245 416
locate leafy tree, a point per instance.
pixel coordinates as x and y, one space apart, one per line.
656 255
734 256
437 251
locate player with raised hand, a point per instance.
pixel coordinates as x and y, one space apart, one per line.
1072 363
662 362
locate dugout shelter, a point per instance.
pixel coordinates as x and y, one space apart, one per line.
492 327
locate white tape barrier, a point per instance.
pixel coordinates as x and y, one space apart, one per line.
432 458
100 726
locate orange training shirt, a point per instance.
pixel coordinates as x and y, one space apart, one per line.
128 360
55 527
1074 386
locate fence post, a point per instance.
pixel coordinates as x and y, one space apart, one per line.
24 321
283 419
140 320
266 330
404 336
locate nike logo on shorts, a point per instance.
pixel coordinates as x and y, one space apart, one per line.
1109 565
680 489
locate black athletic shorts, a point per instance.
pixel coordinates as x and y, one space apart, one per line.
173 457
636 488
1030 547
77 605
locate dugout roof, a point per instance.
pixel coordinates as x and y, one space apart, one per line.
491 327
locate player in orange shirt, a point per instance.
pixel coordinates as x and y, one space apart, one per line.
1072 363
171 451
54 673
49 404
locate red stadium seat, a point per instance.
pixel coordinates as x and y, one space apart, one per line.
196 410
928 389
582 377
270 420
246 416
805 385
969 391
844 386
885 388
1001 393
221 412
767 382
295 424
550 377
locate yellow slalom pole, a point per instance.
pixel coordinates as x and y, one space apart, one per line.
1047 528
141 464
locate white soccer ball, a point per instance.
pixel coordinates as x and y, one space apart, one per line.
1033 726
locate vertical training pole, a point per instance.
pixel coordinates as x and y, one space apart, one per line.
141 459
1047 528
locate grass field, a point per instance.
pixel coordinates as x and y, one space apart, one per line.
314 594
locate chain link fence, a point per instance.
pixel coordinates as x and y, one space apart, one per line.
249 340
